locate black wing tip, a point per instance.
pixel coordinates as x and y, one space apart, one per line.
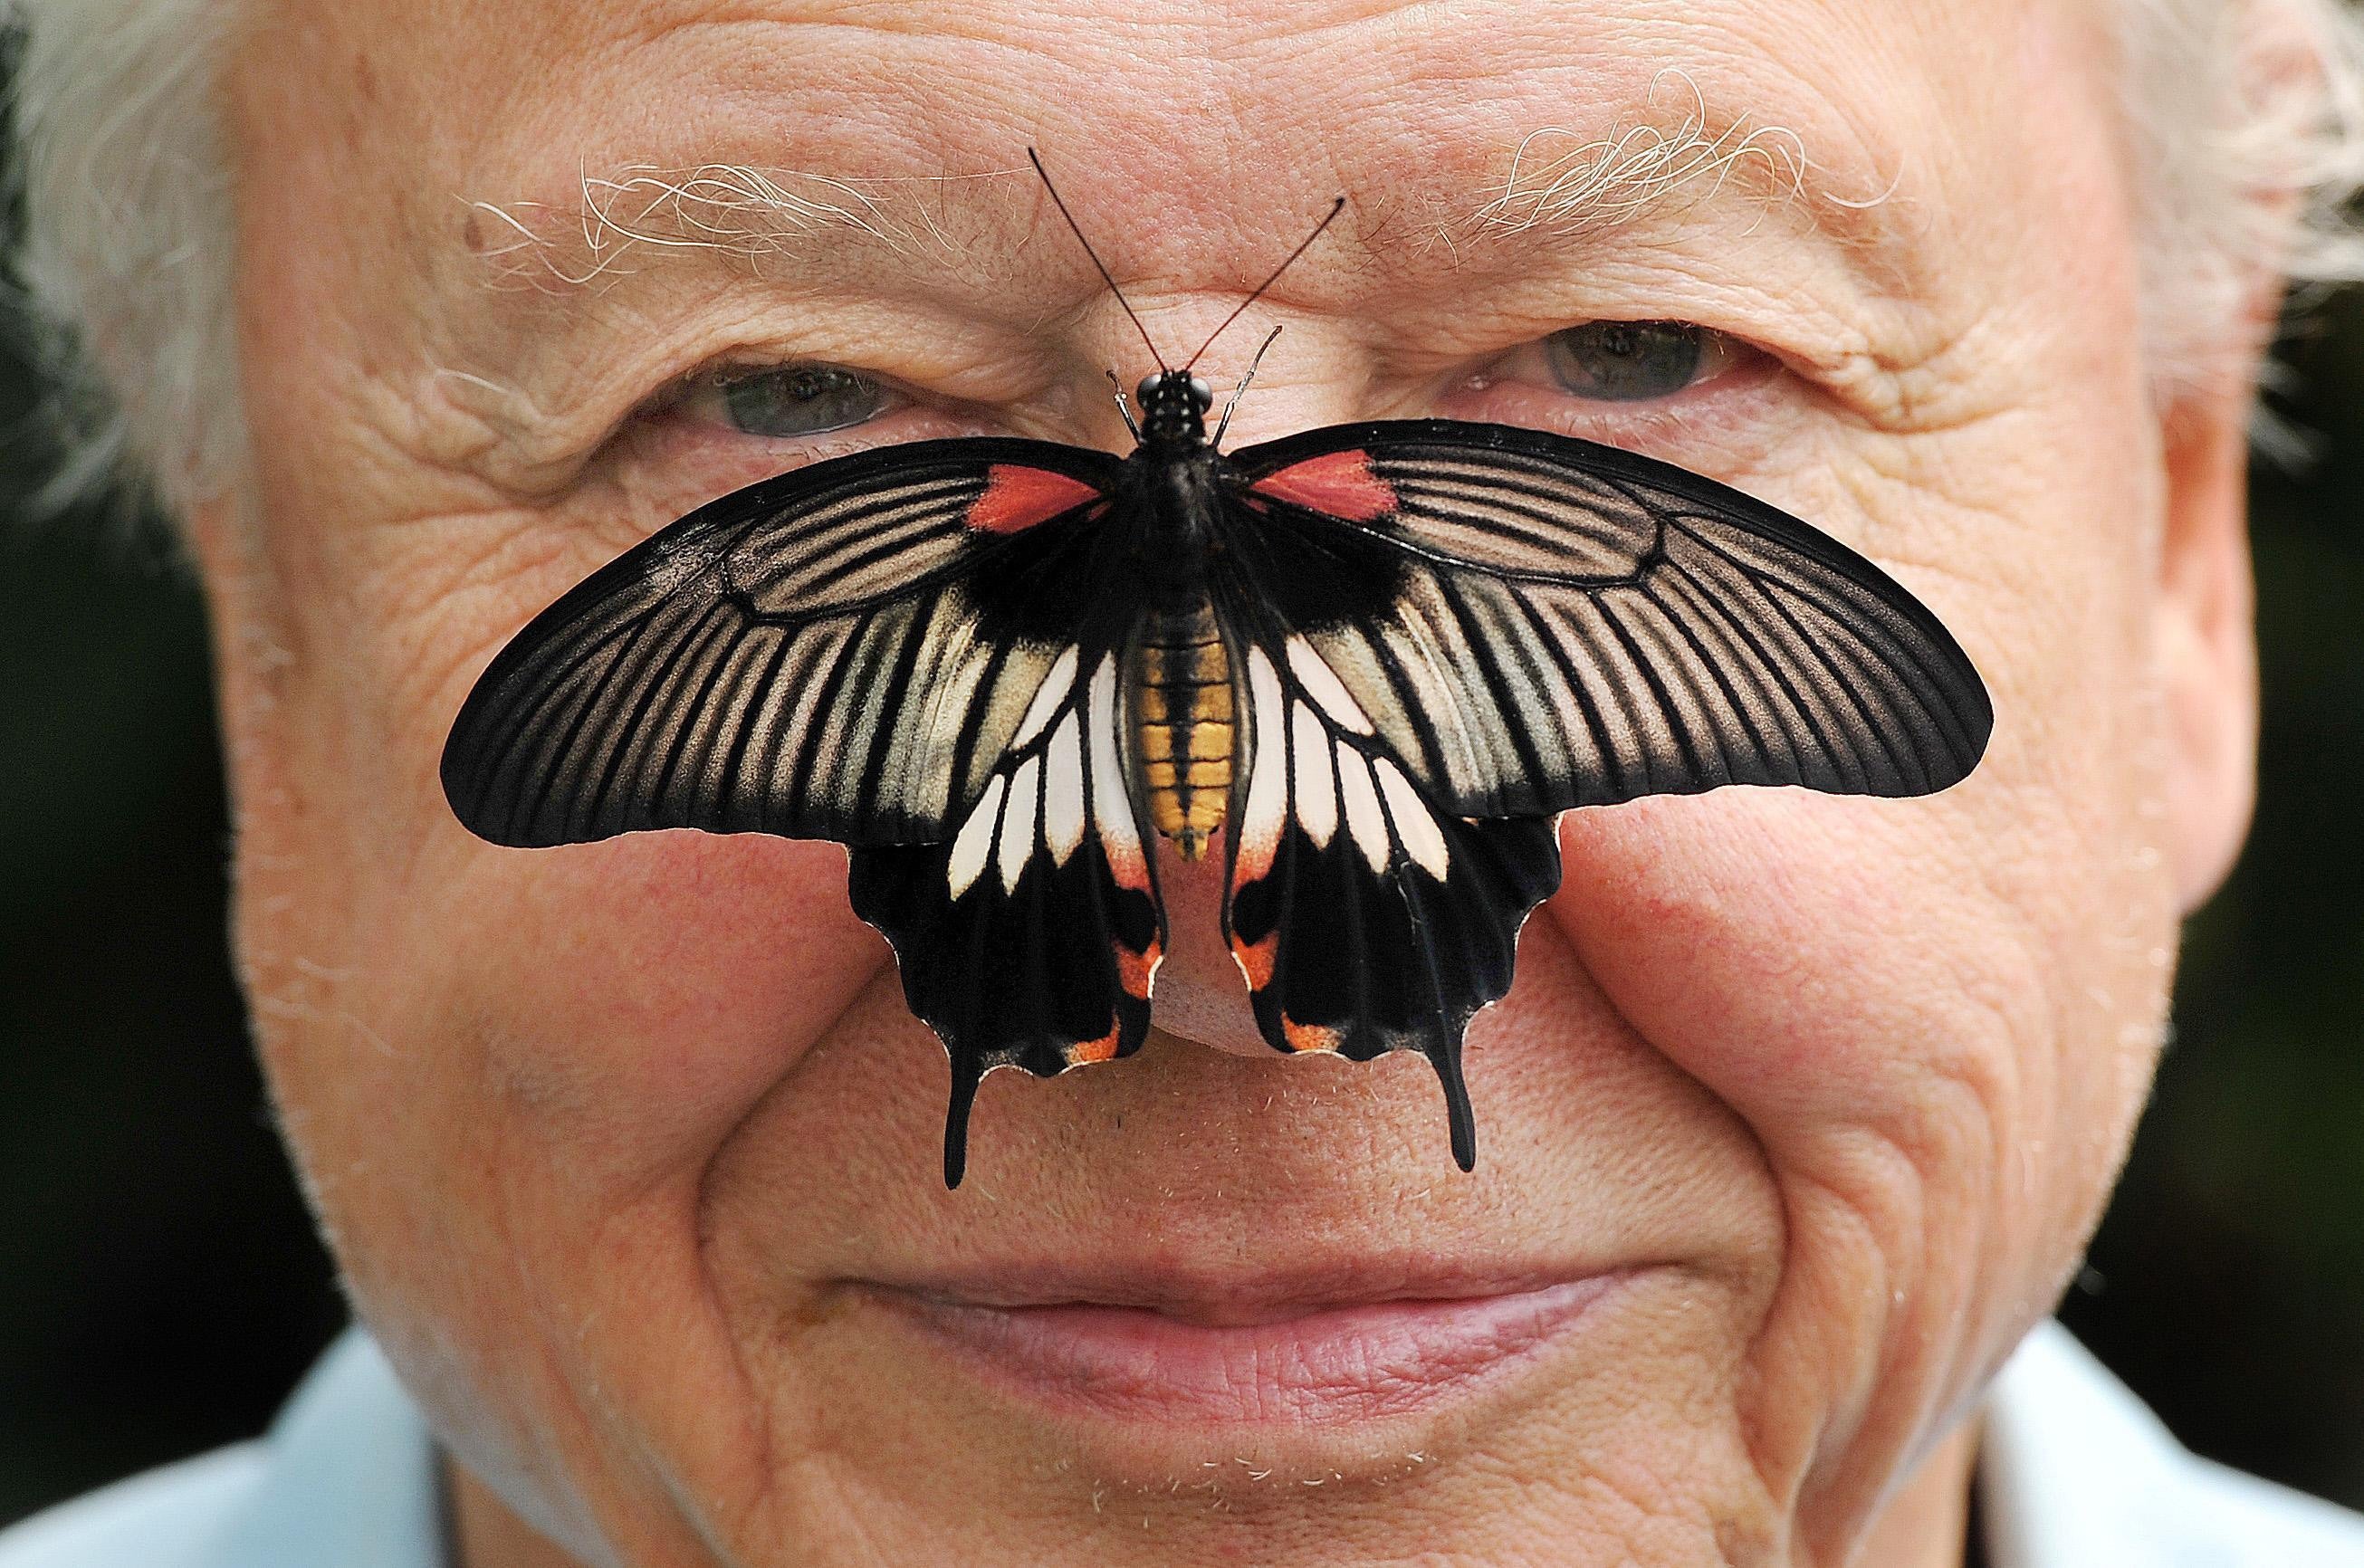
967 1073
1460 1118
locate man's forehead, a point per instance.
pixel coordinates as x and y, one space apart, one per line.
1196 124
1196 143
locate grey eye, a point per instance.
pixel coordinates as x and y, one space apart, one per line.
800 400
1622 362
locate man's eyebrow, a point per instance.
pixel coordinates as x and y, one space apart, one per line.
622 220
1571 185
1563 180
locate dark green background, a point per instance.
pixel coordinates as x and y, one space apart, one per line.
160 1287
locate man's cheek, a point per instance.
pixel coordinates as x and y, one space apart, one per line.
633 1000
1815 962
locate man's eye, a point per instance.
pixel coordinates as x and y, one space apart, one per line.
794 400
1624 361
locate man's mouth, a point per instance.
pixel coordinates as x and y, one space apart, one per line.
1276 1349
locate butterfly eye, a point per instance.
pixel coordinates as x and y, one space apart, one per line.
1625 362
790 401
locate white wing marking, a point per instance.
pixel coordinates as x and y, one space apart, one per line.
1112 812
1260 822
1317 792
1062 791
1364 818
1017 822
1422 839
975 839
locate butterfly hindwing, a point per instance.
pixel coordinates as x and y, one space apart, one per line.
1030 937
839 652
1534 622
1365 917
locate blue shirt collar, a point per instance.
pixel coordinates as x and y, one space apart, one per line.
351 1475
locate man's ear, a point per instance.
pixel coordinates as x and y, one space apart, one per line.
2206 638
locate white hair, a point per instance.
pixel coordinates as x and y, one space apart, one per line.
126 256
2244 118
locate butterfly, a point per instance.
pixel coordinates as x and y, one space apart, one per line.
1373 663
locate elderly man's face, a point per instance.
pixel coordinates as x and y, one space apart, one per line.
629 1150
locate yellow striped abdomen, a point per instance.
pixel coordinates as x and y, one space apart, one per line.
1182 725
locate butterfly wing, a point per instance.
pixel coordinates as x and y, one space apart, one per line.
1367 917
841 652
887 650
1451 632
1030 938
1534 622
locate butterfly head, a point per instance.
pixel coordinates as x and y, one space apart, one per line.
1174 407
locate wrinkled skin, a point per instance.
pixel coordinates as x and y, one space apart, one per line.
607 1138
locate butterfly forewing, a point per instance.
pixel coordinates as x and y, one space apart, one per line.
841 652
1535 623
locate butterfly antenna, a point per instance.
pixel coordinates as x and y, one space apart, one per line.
1238 391
1035 158
1124 407
1335 208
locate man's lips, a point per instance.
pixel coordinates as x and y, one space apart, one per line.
1275 1350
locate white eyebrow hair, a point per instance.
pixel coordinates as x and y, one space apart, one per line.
1559 181
1563 181
736 209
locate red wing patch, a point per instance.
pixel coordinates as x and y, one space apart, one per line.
1337 484
1017 498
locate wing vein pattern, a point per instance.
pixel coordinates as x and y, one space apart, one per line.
841 653
1533 623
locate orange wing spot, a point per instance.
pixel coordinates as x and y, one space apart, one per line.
1089 1051
1135 970
1256 960
1337 484
1018 497
1307 1037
